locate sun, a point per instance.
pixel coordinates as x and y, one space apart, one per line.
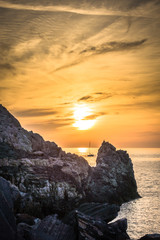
84 124
82 150
80 113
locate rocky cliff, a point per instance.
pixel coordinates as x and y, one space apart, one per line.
113 175
52 181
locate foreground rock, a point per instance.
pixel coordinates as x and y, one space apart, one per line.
52 228
7 220
89 221
89 228
81 226
98 211
51 181
86 228
151 237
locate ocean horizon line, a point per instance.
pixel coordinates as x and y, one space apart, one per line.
116 147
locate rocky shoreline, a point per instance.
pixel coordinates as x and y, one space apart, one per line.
46 193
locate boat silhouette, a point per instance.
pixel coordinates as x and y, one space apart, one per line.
90 154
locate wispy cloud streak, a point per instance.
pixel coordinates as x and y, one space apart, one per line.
113 46
104 48
87 11
35 112
95 97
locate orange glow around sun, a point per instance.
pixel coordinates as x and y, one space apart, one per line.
80 113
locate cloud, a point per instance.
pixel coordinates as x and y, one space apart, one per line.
86 98
12 56
148 104
52 124
61 122
86 9
6 69
68 65
145 89
112 46
149 133
139 105
4 88
95 116
66 103
153 87
43 31
57 122
95 97
6 66
57 8
104 48
99 93
35 112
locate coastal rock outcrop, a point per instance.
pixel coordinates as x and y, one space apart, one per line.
113 175
52 181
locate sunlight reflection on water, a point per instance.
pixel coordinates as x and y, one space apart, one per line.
143 215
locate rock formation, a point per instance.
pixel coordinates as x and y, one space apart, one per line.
52 181
113 175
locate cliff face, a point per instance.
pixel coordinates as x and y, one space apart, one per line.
51 180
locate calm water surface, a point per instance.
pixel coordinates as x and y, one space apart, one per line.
143 214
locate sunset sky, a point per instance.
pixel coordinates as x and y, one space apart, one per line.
83 71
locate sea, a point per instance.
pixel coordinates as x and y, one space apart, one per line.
143 214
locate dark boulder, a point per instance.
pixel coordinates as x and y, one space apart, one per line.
154 236
89 228
51 228
24 231
25 218
105 212
7 219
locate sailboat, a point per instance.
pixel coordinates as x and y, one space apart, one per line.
90 154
